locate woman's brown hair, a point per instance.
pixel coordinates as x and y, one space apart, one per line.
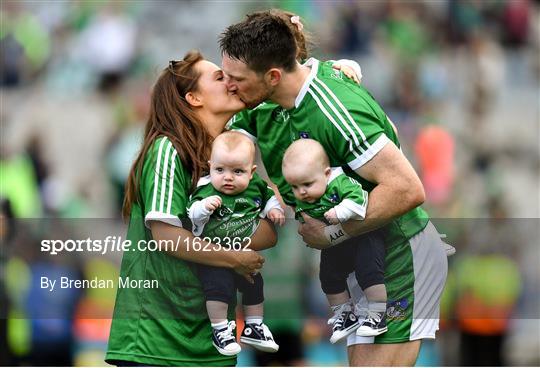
172 116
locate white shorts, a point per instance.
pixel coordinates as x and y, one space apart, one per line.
414 289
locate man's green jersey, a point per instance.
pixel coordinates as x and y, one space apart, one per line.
168 324
344 118
340 190
238 216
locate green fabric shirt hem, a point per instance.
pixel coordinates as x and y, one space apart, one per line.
170 362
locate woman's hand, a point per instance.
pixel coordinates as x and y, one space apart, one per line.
249 263
312 232
348 70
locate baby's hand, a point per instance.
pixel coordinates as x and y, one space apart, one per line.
331 216
276 216
212 203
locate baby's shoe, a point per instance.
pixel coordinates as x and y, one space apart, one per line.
224 341
344 322
259 336
373 324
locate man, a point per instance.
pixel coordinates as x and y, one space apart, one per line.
315 101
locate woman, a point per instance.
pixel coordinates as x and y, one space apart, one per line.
165 323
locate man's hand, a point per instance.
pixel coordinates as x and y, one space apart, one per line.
212 203
276 216
312 232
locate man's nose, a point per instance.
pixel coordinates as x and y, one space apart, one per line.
231 87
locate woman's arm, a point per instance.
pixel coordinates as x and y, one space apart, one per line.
265 237
244 262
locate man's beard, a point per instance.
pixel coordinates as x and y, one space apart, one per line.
263 96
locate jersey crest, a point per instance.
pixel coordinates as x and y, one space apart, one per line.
280 115
334 198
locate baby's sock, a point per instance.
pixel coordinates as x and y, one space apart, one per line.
376 293
254 319
220 325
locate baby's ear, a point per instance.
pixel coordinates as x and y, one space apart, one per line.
327 171
253 170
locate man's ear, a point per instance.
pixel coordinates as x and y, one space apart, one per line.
273 76
193 99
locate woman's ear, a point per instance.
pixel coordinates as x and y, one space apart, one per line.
193 99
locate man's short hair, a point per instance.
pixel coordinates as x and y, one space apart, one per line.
262 43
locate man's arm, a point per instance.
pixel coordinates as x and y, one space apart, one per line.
398 191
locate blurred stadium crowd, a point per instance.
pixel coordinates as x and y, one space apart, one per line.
460 79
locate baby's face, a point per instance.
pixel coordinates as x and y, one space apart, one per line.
308 182
230 171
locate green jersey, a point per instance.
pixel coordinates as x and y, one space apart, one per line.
167 324
238 216
342 192
344 118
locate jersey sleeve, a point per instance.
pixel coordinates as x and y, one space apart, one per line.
196 211
354 124
199 216
269 199
244 122
354 199
268 192
358 136
271 202
165 184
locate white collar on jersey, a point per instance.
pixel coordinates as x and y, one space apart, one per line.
336 171
203 181
314 64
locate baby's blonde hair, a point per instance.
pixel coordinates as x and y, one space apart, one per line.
232 140
304 152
